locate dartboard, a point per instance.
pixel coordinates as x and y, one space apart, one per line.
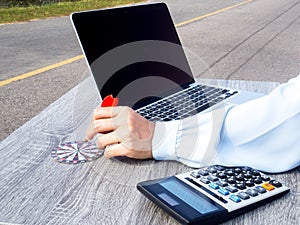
76 152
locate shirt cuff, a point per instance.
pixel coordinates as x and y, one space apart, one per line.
165 139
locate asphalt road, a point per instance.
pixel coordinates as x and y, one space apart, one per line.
258 40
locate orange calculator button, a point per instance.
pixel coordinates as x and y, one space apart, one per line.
268 186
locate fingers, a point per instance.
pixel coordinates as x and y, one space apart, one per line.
105 112
115 150
104 125
106 140
121 150
99 126
124 132
101 122
90 134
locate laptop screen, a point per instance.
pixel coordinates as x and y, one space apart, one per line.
133 52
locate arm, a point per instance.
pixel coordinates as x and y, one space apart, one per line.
262 133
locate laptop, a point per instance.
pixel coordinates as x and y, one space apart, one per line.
134 53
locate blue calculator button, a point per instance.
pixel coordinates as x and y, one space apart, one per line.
234 198
213 185
223 191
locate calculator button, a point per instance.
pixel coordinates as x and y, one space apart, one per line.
240 186
234 198
219 168
265 178
255 172
195 174
229 172
231 180
249 183
246 168
203 172
268 186
240 177
211 170
204 180
247 175
213 185
223 191
252 192
260 189
258 180
231 189
212 178
221 175
275 183
221 183
238 170
243 195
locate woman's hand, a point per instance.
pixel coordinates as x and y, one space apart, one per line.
124 132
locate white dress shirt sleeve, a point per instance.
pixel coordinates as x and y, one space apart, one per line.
262 133
165 139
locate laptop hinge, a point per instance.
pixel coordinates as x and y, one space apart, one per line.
193 84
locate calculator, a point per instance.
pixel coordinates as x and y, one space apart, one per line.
212 195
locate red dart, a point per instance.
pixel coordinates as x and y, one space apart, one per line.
109 101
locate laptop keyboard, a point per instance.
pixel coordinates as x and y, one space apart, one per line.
185 103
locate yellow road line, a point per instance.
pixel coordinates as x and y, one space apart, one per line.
212 13
67 61
41 70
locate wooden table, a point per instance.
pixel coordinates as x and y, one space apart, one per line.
34 189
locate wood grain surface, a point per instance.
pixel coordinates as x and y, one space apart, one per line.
34 189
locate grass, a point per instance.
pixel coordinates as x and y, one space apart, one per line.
20 14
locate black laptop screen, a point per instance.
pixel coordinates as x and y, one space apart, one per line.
134 52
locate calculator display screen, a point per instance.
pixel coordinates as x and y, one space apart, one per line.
189 197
